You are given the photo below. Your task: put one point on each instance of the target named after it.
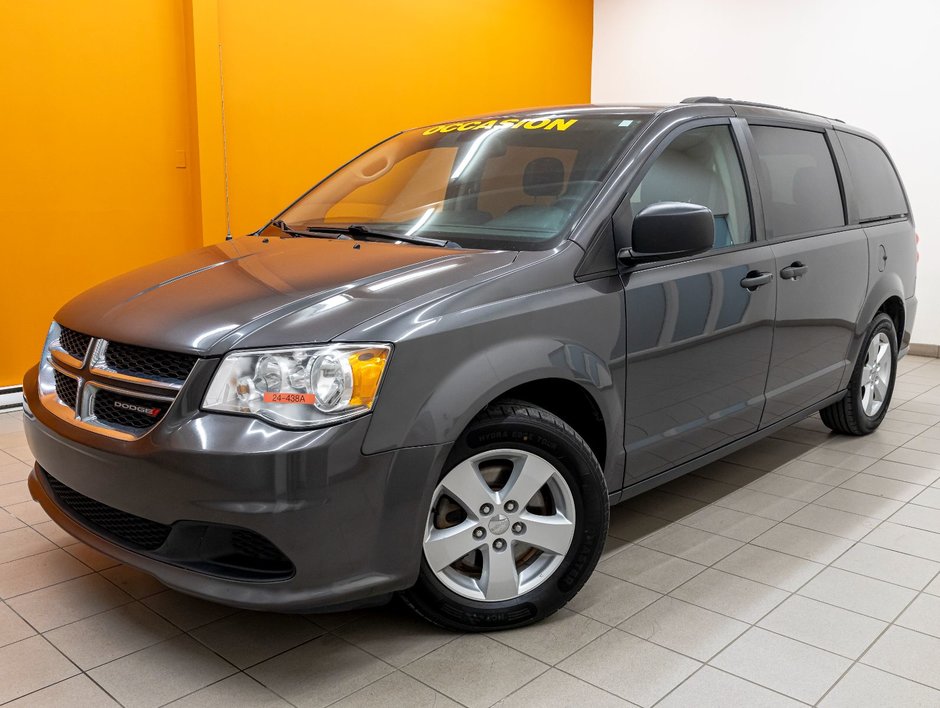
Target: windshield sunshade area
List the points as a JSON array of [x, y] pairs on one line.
[[505, 183]]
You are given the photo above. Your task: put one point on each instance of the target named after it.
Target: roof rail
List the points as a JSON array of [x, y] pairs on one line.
[[753, 104]]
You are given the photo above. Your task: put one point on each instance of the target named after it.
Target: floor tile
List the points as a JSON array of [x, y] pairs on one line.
[[768, 454], [730, 595], [905, 539], [833, 521], [395, 635], [911, 474], [248, 638], [554, 638], [505, 669], [663, 505], [867, 687], [918, 517], [76, 692], [39, 571], [729, 473], [685, 628], [320, 672], [923, 615], [769, 567], [236, 690], [883, 487], [133, 582], [859, 503], [711, 688], [555, 689], [815, 472], [728, 522], [789, 487], [397, 689], [691, 544], [55, 533], [859, 446], [930, 497], [825, 626], [837, 459], [14, 492], [803, 543], [906, 653], [22, 542], [67, 602], [650, 569], [890, 566], [116, 633], [631, 525], [769, 506], [924, 444], [185, 611], [29, 512], [859, 593], [8, 522], [782, 664], [90, 557], [915, 457], [698, 488], [29, 665], [610, 600], [12, 627], [161, 673], [634, 669]]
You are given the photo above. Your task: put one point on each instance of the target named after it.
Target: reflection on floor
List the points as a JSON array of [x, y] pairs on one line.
[[801, 570]]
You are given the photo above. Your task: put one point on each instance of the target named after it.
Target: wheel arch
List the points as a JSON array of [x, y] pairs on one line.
[[886, 295]]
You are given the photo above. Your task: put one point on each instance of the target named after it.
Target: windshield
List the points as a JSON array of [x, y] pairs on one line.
[[508, 183]]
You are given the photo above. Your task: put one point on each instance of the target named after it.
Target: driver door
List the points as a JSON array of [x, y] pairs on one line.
[[698, 340]]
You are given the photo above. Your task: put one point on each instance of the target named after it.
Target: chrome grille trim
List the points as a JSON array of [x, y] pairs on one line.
[[92, 375]]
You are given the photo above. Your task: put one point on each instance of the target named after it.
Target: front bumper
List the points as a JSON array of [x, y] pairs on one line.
[[349, 523]]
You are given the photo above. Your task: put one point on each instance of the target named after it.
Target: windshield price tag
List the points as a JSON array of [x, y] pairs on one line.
[[278, 397]]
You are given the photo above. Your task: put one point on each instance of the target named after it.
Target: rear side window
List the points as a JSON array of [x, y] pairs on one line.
[[798, 181], [876, 184]]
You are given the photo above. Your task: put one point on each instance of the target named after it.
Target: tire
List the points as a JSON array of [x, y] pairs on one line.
[[870, 388], [508, 450]]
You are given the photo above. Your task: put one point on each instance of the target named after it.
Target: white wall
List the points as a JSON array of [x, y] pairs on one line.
[[874, 64]]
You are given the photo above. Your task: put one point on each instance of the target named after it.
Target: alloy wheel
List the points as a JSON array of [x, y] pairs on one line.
[[876, 374]]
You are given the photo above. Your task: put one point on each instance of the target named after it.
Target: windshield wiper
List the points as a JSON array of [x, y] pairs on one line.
[[309, 233], [360, 230]]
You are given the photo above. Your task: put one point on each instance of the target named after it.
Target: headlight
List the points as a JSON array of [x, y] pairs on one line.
[[301, 387]]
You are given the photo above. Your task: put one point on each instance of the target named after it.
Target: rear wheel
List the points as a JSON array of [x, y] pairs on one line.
[[872, 383], [516, 524]]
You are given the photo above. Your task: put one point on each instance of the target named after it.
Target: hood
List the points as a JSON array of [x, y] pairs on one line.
[[304, 290]]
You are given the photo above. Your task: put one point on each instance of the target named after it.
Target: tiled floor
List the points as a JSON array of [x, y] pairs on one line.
[[804, 569]]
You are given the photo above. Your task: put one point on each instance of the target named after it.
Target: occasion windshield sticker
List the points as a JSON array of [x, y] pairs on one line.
[[278, 397], [548, 123]]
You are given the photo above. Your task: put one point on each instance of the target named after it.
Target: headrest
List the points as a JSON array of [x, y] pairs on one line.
[[676, 177], [544, 177]]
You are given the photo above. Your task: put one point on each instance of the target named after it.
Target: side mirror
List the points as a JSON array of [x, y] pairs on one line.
[[669, 230]]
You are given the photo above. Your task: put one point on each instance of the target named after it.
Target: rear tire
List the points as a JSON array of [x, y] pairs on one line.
[[871, 385], [516, 524]]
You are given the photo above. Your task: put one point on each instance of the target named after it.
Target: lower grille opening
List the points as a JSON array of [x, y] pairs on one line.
[[215, 549], [128, 411]]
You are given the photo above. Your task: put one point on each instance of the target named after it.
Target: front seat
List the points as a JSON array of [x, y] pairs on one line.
[[543, 177]]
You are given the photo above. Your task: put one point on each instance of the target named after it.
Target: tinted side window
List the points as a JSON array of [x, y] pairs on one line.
[[701, 166], [798, 181], [876, 184]]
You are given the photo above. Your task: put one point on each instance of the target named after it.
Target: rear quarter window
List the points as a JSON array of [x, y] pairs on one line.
[[798, 181], [876, 184]]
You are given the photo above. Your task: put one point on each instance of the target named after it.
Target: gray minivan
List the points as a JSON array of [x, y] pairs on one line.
[[435, 371]]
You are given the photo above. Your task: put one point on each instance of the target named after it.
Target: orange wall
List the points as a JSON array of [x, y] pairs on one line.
[[103, 100], [308, 85], [95, 112]]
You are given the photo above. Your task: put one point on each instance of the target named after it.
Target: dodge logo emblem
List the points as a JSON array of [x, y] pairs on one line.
[[146, 410]]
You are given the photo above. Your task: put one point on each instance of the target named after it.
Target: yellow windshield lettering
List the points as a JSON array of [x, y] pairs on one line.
[[549, 123]]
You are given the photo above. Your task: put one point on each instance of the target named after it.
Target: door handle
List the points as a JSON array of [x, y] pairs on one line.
[[755, 279], [794, 271]]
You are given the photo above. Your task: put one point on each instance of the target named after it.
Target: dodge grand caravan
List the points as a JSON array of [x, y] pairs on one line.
[[434, 372]]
